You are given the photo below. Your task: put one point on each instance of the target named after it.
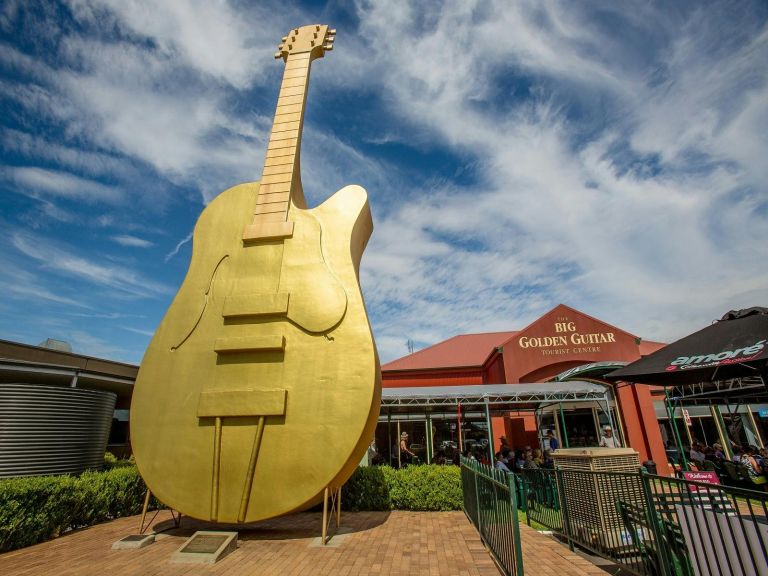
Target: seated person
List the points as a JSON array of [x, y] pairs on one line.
[[762, 459], [500, 463], [696, 452], [547, 462], [748, 460], [718, 448], [530, 463]]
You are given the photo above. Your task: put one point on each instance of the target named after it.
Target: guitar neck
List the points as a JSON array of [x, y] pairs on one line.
[[281, 178]]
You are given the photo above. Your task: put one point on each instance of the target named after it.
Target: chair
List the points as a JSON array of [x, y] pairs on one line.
[[674, 540], [637, 527], [749, 480], [734, 477]]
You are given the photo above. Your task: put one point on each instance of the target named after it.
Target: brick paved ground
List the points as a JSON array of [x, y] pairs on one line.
[[394, 543]]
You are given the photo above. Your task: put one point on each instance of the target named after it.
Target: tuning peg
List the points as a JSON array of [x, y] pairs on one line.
[[330, 38], [278, 55], [328, 47], [284, 38], [332, 32]]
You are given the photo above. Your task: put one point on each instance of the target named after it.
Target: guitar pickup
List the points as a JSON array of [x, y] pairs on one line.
[[274, 343], [241, 403], [256, 305]]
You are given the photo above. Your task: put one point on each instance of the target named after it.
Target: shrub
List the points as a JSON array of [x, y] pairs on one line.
[[432, 488], [37, 508], [368, 489]]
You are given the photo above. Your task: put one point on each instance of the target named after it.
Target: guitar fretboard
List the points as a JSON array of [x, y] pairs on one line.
[[280, 179]]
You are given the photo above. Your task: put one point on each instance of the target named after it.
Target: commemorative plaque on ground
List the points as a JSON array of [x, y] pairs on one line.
[[206, 547]]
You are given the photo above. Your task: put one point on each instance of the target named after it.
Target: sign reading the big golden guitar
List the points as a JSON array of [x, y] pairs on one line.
[[261, 386], [567, 339]]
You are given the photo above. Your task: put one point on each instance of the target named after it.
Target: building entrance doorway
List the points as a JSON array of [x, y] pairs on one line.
[[581, 427]]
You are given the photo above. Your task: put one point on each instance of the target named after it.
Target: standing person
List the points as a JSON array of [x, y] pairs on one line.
[[608, 440], [503, 444], [406, 456], [554, 444]]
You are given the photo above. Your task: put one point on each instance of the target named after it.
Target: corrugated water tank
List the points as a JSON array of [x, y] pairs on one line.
[[52, 429]]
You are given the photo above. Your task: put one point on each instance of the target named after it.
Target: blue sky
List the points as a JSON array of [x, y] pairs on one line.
[[607, 155]]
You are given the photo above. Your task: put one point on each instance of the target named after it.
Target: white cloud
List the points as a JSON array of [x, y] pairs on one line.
[[90, 345], [148, 333], [212, 37], [616, 156], [625, 225], [178, 246], [54, 257], [33, 181], [132, 241]]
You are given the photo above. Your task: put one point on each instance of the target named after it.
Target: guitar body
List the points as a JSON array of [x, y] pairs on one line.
[[276, 330]]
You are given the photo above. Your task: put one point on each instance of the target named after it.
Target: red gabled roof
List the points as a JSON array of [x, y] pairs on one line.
[[465, 350], [649, 346]]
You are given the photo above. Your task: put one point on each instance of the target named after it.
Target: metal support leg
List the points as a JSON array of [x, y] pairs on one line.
[[144, 511], [331, 507], [325, 516]]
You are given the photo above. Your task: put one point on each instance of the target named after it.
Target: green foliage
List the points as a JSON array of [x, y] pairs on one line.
[[35, 509], [430, 488], [368, 489], [38, 508]]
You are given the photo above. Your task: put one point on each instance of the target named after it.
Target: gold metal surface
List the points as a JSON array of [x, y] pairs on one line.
[[251, 468], [261, 386], [241, 403]]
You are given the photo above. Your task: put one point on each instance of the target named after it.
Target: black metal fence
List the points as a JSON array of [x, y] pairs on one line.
[[653, 525], [490, 503]]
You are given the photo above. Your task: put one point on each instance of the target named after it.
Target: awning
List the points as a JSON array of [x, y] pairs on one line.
[[734, 347], [497, 396], [593, 370]]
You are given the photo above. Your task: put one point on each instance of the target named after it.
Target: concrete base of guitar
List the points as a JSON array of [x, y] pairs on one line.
[[206, 547]]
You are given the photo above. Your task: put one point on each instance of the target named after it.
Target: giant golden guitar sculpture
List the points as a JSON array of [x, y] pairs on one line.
[[261, 386]]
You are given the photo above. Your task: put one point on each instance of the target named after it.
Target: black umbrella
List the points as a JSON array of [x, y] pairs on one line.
[[734, 347]]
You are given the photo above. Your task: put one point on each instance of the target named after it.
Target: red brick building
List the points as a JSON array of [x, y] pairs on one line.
[[560, 340]]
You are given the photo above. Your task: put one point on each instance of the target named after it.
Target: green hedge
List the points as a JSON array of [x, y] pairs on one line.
[[37, 508], [430, 488]]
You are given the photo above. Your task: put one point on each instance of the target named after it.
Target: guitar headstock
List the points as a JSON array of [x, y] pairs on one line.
[[315, 39]]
